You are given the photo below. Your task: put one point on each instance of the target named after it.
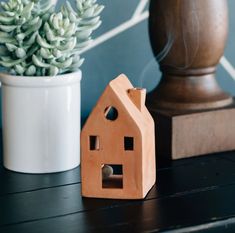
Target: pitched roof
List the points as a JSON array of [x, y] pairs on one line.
[[119, 88], [121, 85]]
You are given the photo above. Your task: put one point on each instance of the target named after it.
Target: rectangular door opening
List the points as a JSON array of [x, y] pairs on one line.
[[112, 176]]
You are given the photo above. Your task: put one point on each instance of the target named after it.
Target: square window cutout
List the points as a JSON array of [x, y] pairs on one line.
[[112, 176], [128, 143], [94, 142]]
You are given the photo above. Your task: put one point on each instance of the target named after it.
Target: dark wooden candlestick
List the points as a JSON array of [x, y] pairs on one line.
[[188, 38]]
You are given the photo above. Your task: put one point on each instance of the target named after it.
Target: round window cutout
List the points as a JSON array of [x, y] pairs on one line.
[[111, 113]]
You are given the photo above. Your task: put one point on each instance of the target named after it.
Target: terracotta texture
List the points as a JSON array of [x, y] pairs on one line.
[[136, 155]]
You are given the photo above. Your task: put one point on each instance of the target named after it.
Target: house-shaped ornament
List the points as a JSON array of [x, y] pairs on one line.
[[118, 145]]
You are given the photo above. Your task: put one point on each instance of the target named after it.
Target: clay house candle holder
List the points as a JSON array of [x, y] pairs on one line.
[[118, 145]]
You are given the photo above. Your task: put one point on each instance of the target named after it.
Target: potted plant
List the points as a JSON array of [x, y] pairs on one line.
[[39, 50]]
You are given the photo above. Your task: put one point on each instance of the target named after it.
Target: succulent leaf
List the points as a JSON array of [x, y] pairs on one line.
[[19, 69], [98, 10], [20, 53], [36, 40], [6, 19], [84, 34], [7, 28], [26, 13], [10, 63], [31, 70], [39, 63], [31, 40], [11, 47], [43, 43], [63, 65], [45, 53], [53, 71]]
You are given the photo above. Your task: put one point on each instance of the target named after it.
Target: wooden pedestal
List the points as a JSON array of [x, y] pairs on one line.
[[193, 115], [193, 133]]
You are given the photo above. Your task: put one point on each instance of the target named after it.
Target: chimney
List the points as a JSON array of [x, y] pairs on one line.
[[138, 96]]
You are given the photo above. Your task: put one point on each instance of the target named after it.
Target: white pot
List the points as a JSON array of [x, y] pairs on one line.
[[41, 122]]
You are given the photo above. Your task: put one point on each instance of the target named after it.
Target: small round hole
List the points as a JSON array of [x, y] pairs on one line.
[[111, 113]]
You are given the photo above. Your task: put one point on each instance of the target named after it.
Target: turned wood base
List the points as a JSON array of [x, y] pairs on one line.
[[188, 92], [186, 134]]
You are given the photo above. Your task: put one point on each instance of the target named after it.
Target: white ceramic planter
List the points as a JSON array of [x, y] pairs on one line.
[[41, 123]]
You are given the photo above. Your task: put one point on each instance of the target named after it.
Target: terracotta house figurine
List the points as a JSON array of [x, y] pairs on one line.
[[118, 145]]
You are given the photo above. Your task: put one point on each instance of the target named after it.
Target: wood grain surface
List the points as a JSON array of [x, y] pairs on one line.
[[189, 193]]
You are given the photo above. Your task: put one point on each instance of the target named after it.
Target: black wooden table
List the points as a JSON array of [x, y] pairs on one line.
[[191, 195]]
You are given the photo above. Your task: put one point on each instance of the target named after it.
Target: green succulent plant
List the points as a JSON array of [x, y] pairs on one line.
[[35, 40]]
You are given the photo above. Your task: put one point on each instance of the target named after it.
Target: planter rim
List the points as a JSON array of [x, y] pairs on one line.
[[40, 81]]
